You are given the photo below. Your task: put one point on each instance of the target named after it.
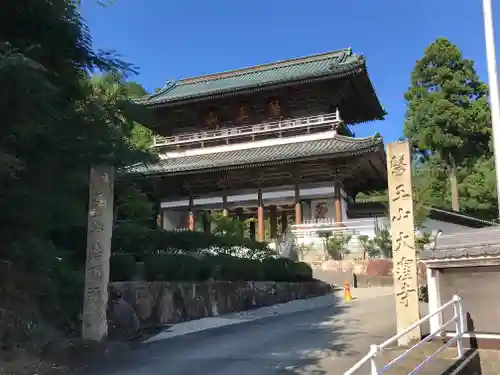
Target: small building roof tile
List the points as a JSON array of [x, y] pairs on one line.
[[467, 244]]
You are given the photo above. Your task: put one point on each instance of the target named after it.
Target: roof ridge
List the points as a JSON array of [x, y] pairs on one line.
[[465, 216], [265, 66], [355, 139]]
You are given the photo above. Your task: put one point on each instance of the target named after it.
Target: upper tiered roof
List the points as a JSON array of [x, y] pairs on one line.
[[282, 73]]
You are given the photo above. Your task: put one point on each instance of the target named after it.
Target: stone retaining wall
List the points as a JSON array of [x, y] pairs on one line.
[[160, 303]]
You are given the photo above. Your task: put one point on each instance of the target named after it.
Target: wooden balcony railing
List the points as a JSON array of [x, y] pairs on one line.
[[332, 119], [314, 227]]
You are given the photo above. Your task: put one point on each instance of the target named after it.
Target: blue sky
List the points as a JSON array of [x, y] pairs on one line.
[[173, 39]]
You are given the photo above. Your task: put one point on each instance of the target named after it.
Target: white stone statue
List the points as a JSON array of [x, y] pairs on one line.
[[286, 246]]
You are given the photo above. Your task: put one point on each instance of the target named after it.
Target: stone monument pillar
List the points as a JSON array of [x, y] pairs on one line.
[[403, 239], [100, 227]]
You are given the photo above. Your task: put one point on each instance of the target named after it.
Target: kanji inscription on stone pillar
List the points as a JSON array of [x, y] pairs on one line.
[[403, 239], [100, 227]]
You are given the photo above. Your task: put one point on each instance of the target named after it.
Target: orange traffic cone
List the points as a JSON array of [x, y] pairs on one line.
[[347, 292]]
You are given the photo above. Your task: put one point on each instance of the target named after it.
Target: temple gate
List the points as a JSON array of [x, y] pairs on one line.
[[271, 142]]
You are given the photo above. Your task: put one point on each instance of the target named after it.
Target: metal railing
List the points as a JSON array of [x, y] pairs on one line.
[[314, 227], [262, 128], [375, 350]]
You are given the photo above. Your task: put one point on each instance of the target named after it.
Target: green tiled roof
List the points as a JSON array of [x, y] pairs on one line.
[[336, 63], [260, 156]]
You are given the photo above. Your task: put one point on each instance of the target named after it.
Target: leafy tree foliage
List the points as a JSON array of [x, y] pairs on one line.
[[478, 186], [335, 244], [57, 120], [132, 204], [229, 226], [447, 111], [448, 126], [368, 246], [383, 243]]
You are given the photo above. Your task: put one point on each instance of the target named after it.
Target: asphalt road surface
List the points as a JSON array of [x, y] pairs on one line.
[[324, 340]]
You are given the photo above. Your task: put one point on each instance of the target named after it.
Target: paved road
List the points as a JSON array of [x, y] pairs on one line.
[[325, 339]]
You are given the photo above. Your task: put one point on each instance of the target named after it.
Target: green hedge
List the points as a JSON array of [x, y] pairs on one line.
[[143, 241], [176, 267], [122, 267]]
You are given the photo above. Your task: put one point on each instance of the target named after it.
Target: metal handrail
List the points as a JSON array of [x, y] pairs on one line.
[[330, 225], [332, 228], [375, 350], [267, 127], [325, 221]]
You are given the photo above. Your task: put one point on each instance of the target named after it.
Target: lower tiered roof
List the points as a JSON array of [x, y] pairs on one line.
[[286, 153]]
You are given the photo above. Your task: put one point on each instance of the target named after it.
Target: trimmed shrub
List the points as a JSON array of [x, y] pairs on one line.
[[276, 269], [302, 271], [143, 241], [134, 239], [284, 269], [122, 267], [176, 267], [230, 268], [181, 267]]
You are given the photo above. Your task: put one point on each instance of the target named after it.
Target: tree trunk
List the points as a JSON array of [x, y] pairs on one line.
[[455, 203]]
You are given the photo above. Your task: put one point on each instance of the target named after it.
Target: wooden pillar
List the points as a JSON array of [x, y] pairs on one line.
[[337, 202], [284, 222], [403, 239], [225, 211], [260, 217], [99, 232], [240, 218], [274, 222], [206, 222], [159, 219], [298, 206], [191, 218], [251, 229], [309, 210]]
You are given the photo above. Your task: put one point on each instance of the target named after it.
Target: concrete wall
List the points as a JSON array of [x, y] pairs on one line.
[[160, 303], [374, 272], [478, 288]]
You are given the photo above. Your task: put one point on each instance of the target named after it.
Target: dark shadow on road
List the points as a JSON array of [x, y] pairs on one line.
[[312, 342], [470, 364]]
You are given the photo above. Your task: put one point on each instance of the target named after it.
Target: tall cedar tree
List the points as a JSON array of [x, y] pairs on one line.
[[447, 110]]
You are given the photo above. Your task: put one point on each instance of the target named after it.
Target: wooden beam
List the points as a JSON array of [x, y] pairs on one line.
[[273, 221], [260, 216], [252, 230], [191, 217], [284, 222], [225, 211], [338, 204], [298, 206]]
